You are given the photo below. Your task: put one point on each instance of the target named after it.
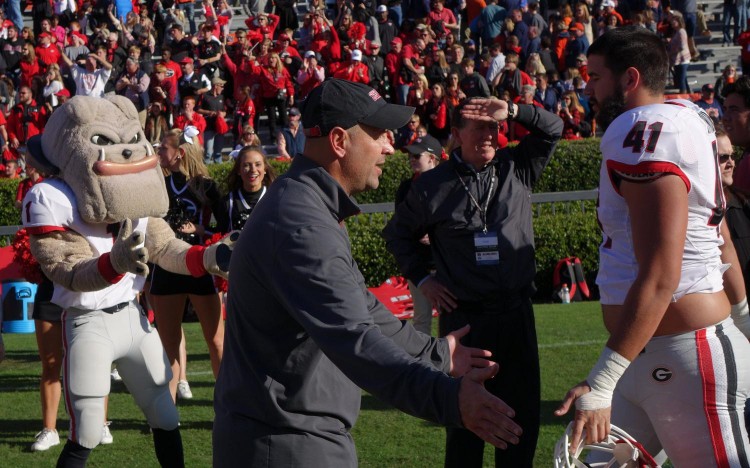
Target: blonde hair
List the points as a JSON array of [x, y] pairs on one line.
[[191, 164]]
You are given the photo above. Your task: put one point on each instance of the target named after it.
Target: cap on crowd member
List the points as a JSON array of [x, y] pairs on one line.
[[310, 54], [42, 35], [187, 60], [425, 144], [357, 55], [218, 81], [342, 103], [294, 112], [396, 40], [707, 88], [576, 27], [608, 3], [284, 37], [382, 9], [63, 93]]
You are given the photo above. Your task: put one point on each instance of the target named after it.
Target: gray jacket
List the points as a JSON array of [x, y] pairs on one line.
[[438, 205], [303, 333]]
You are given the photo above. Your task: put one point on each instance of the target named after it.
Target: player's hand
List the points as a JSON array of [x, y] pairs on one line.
[[128, 255], [464, 358], [596, 423], [438, 295], [484, 414], [485, 109]]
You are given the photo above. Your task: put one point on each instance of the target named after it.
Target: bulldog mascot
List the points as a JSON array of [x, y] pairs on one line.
[[93, 226]]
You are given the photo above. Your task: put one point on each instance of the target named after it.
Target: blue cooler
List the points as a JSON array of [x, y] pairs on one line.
[[18, 304]]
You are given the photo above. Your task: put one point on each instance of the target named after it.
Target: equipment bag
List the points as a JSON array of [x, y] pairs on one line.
[[569, 271]]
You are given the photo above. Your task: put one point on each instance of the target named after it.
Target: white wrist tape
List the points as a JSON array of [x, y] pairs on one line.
[[602, 379], [740, 309], [741, 317]]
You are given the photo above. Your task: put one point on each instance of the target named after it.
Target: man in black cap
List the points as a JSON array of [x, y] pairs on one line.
[[476, 208], [303, 332], [709, 103]]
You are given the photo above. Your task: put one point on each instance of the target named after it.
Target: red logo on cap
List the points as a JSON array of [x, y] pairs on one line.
[[313, 132], [374, 95]]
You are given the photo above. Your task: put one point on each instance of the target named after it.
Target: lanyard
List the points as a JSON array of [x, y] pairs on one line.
[[482, 210]]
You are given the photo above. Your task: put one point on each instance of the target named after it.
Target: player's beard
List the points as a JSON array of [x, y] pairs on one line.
[[610, 108]]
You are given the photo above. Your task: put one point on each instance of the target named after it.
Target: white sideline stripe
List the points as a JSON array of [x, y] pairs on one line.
[[566, 344]]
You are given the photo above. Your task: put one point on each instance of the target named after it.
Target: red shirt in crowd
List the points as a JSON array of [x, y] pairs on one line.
[[181, 121]]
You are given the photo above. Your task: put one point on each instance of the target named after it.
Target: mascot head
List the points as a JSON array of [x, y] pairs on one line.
[[97, 146]]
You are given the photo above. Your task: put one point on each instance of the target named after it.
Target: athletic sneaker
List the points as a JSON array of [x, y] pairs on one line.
[[45, 439], [115, 375], [183, 390], [106, 435]]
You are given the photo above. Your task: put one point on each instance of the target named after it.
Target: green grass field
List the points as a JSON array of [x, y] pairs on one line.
[[570, 338]]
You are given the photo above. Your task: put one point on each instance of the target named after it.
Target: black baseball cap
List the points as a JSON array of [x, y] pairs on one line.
[[426, 143], [342, 103]]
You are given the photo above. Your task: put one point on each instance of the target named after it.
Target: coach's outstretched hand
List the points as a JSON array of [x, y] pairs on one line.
[[486, 109], [484, 414], [464, 358]]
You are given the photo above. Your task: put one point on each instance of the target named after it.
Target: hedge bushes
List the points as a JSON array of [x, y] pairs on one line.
[[574, 166]]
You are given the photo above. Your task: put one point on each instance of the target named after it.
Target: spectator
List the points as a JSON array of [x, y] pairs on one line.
[[157, 124], [244, 113], [473, 84], [209, 52], [11, 48], [133, 84], [497, 62], [521, 31], [376, 66], [407, 134], [188, 117], [728, 76], [437, 113], [90, 80], [247, 137], [290, 141], [737, 123], [490, 22], [577, 45], [214, 109], [679, 53], [453, 92], [689, 11], [730, 13], [162, 90], [708, 102], [277, 92], [441, 19], [744, 42], [77, 46], [544, 95], [582, 15], [53, 83], [188, 9], [263, 25], [572, 113], [511, 79], [180, 46], [534, 65], [387, 28], [29, 65], [410, 67], [25, 120], [193, 83], [353, 69]]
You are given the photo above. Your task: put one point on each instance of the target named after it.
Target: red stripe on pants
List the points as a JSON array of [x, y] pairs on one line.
[[705, 363]]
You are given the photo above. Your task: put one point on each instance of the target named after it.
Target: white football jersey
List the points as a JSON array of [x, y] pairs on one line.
[[676, 137], [51, 206]]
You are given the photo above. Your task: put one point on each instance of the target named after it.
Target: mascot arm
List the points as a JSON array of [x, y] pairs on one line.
[[180, 257], [68, 260]]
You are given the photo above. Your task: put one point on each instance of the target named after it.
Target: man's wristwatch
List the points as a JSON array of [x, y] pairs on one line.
[[511, 110]]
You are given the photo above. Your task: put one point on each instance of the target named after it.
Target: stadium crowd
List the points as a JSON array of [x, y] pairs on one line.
[[183, 64]]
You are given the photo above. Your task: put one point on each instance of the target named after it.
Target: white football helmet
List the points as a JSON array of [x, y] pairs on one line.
[[619, 450]]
